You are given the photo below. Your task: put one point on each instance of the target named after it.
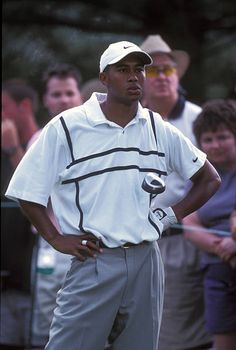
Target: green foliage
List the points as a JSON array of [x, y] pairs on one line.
[[38, 34]]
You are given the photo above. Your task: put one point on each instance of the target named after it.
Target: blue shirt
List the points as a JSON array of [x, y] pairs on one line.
[[215, 213]]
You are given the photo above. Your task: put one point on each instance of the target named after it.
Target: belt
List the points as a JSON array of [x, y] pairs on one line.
[[126, 245], [172, 231]]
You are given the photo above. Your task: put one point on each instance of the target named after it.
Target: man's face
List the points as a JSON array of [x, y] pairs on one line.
[[61, 94], [125, 80], [161, 77], [219, 145]]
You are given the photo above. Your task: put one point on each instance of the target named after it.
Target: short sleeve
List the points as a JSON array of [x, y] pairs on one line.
[[39, 169], [183, 157]]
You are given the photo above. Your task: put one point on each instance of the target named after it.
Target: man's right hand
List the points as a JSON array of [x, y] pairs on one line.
[[67, 243], [72, 244]]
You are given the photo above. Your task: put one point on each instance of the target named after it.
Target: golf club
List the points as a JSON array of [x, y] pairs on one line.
[[153, 184]]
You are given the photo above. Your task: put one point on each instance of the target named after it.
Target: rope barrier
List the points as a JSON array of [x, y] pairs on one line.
[[202, 229], [177, 226]]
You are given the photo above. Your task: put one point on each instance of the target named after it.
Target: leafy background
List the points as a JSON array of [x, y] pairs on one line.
[[36, 34]]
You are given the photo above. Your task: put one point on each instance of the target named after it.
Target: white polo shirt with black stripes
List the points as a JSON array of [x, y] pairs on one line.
[[93, 170]]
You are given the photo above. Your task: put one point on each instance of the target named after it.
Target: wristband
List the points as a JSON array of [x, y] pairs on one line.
[[166, 216]]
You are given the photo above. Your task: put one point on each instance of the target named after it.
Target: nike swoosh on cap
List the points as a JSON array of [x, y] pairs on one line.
[[194, 160], [126, 47]]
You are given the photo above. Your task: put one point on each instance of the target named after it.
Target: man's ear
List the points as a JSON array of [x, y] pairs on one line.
[[103, 78]]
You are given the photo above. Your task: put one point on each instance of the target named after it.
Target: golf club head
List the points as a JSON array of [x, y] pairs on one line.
[[153, 184]]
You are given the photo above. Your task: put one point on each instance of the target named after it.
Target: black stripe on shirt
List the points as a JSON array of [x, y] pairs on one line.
[[68, 138], [79, 207], [153, 125], [154, 225], [117, 168], [114, 150]]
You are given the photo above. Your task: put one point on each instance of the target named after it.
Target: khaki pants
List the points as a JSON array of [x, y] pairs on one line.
[[119, 293]]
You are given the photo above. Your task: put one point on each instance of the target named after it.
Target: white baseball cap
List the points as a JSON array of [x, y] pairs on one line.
[[117, 51]]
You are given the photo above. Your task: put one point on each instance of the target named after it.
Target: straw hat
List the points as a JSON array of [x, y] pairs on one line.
[[155, 44]]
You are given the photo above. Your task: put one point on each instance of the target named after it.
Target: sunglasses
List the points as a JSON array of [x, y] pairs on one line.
[[155, 71]]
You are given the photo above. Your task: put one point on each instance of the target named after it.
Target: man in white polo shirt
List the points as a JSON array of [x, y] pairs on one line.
[[91, 161]]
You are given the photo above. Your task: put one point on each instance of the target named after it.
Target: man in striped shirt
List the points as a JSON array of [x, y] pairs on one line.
[[91, 160]]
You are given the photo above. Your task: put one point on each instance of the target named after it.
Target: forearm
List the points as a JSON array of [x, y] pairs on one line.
[[205, 183], [38, 216], [204, 240], [67, 244]]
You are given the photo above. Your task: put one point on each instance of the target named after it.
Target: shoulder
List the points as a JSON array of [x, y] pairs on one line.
[[149, 115], [192, 108], [70, 118], [165, 131], [164, 124], [34, 138], [189, 114]]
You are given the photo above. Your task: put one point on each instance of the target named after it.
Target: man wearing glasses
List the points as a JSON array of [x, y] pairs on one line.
[[183, 325]]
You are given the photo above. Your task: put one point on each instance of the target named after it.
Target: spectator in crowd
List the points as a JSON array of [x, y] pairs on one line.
[[215, 130], [91, 86], [19, 105], [61, 88], [61, 85], [183, 325]]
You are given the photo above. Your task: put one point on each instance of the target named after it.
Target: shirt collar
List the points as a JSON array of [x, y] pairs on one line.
[[178, 108], [95, 115]]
